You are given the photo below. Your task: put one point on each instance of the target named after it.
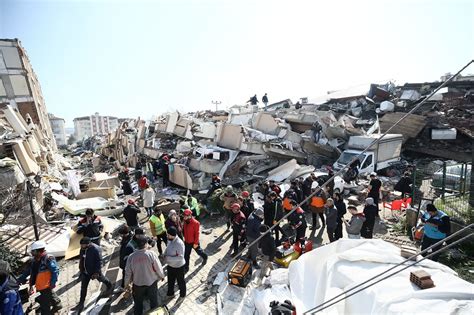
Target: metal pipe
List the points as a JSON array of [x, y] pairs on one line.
[[33, 215]]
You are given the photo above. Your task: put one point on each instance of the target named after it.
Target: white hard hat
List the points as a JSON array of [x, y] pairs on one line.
[[38, 245]]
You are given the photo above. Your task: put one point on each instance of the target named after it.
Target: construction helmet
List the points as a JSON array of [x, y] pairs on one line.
[[245, 194], [235, 206], [38, 245], [229, 189]]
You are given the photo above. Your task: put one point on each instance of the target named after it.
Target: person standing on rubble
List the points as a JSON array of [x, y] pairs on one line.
[[267, 243], [191, 238], [265, 101], [274, 187], [370, 213], [353, 171], [238, 228], [148, 199], [229, 198], [158, 228], [298, 192], [165, 170], [130, 213], [90, 266], [297, 220], [253, 100], [247, 203], [254, 222], [174, 221], [374, 189], [331, 219], [215, 184], [143, 271], [341, 211], [43, 272], [149, 171], [194, 206], [316, 205], [91, 226], [404, 185]]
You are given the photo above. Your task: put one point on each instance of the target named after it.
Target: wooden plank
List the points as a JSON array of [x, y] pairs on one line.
[[410, 127]]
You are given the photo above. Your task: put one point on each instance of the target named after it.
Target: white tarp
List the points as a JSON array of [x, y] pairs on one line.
[[343, 264]]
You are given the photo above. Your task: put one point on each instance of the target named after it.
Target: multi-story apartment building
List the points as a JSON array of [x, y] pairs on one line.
[[59, 129], [94, 125], [20, 88]]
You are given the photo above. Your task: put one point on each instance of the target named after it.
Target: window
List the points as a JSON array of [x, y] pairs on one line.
[[368, 162]]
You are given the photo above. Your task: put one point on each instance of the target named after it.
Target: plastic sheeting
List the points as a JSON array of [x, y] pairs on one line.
[[343, 264]]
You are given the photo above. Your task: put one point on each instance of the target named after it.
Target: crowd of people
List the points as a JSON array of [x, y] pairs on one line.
[[177, 234]]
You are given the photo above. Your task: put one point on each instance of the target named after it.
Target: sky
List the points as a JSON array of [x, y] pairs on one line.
[[142, 58]]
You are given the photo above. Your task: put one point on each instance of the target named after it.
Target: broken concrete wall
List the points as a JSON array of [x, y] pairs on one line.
[[266, 123], [183, 128], [229, 136]]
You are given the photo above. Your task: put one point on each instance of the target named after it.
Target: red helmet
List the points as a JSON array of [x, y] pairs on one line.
[[235, 206], [245, 194], [131, 201], [187, 212]]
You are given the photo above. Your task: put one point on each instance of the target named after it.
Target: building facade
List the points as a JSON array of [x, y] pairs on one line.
[[20, 88], [58, 125], [88, 126]]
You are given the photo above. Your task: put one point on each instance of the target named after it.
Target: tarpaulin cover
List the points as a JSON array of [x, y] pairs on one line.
[[329, 270]]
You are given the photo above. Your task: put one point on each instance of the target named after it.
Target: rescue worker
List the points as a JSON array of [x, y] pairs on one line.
[[191, 238], [148, 199], [274, 187], [174, 258], [298, 192], [267, 243], [158, 228], [316, 205], [194, 206], [287, 197], [297, 221], [165, 170], [130, 213], [353, 171], [215, 184], [44, 272], [247, 203], [254, 222], [174, 221], [10, 300], [437, 227], [370, 213], [229, 198], [91, 226], [143, 271], [90, 266], [238, 228]]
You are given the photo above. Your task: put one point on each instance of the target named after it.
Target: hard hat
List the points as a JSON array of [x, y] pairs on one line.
[[229, 188], [38, 245], [131, 201], [235, 206], [187, 212], [245, 194]]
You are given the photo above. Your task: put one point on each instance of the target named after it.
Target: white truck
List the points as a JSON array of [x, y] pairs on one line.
[[378, 157]]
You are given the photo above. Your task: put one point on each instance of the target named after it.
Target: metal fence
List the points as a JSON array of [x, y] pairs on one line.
[[449, 186]]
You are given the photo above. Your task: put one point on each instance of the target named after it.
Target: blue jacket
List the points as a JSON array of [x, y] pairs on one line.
[[91, 259], [253, 226], [441, 226], [10, 301]]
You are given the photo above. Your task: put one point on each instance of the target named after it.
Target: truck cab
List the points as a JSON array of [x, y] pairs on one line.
[[367, 161]]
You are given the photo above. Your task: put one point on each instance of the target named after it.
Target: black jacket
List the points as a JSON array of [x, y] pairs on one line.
[[130, 213], [91, 259], [125, 250], [267, 243], [341, 209]]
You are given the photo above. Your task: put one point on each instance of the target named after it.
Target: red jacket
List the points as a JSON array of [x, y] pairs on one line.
[[142, 182], [191, 231]]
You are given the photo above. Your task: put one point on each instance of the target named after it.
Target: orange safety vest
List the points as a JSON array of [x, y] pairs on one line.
[[43, 278], [317, 202], [286, 204]]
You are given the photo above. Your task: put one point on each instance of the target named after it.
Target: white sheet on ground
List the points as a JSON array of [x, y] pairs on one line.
[[263, 298], [329, 270]]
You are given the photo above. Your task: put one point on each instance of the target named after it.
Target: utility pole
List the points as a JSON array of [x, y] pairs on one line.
[[216, 103], [29, 187]]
